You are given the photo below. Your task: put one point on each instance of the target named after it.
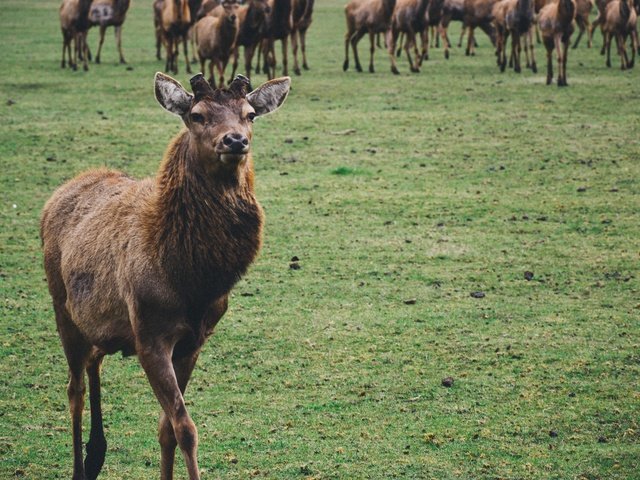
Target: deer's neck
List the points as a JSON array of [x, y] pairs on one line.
[[207, 229]]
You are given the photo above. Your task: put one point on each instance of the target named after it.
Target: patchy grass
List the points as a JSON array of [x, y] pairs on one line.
[[401, 196]]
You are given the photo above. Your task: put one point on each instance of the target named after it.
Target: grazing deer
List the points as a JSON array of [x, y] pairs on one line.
[[301, 18], [556, 26], [216, 37], [145, 267], [365, 16], [74, 25], [621, 22], [106, 13]]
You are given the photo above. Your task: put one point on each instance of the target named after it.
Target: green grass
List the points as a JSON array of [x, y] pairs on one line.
[[401, 195]]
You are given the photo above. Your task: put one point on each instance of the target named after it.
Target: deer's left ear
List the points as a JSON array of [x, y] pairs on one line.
[[269, 96], [171, 95]]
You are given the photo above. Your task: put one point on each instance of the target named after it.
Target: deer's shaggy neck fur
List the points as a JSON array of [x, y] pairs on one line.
[[205, 226]]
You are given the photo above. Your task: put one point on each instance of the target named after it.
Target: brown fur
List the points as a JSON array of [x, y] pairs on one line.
[[145, 267], [74, 26], [408, 18], [514, 18], [252, 21], [301, 18], [478, 14], [555, 21], [620, 21], [365, 16], [106, 13], [172, 20], [451, 10], [278, 27], [583, 11], [216, 38]]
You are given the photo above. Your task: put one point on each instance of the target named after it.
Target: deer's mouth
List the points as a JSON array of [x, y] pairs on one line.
[[232, 158]]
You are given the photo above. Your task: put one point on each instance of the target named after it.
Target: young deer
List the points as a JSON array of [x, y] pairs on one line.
[[145, 267]]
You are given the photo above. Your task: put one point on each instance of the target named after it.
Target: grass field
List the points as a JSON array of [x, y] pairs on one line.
[[402, 196]]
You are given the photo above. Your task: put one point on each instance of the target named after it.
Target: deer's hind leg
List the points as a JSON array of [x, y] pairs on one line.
[[97, 445], [77, 350]]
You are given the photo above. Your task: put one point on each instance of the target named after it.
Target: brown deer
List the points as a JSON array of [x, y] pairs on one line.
[[74, 24], [433, 20], [106, 13], [478, 13], [601, 6], [620, 22], [252, 19], [556, 27], [194, 7], [583, 11], [408, 18], [216, 38], [519, 20], [172, 19], [452, 10], [301, 18], [278, 27], [365, 16], [145, 267]]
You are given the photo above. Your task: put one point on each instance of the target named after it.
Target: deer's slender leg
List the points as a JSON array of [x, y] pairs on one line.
[[97, 445], [102, 31], [183, 369], [155, 358]]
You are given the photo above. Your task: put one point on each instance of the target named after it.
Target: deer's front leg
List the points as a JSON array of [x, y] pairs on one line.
[[165, 379]]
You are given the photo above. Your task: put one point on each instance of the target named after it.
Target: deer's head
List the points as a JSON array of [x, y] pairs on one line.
[[220, 121]]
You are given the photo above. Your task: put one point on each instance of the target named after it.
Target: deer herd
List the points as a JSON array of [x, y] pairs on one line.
[[552, 21], [215, 30]]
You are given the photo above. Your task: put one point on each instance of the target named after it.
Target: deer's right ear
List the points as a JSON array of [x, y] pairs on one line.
[[171, 95]]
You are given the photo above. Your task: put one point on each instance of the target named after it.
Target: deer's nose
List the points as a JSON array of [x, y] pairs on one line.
[[236, 143]]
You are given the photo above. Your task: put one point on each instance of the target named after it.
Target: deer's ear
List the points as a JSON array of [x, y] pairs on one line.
[[171, 95], [269, 96]]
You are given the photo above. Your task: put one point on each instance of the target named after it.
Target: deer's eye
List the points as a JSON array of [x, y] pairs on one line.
[[251, 116], [197, 118]]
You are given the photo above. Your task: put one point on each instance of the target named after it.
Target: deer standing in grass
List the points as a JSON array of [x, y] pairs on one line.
[[106, 13], [252, 18], [301, 18], [519, 19], [556, 26], [408, 18], [365, 16], [478, 13], [74, 24], [621, 21], [145, 267], [172, 19], [216, 38]]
